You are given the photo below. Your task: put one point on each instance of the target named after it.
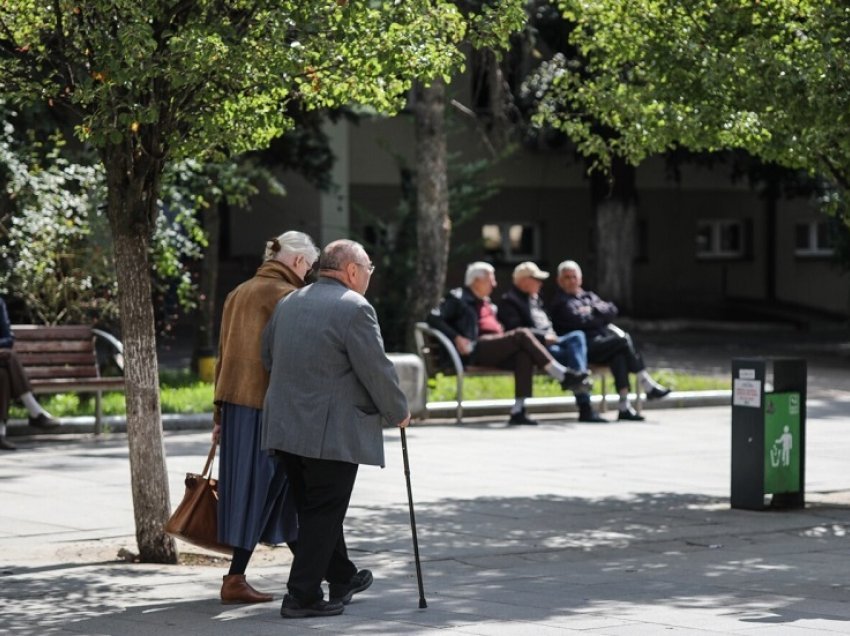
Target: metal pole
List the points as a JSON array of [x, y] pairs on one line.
[[422, 603]]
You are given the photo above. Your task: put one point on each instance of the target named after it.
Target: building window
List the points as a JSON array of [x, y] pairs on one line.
[[511, 242], [720, 238], [813, 239]]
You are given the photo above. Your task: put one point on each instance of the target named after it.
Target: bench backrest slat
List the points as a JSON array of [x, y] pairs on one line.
[[56, 353], [61, 372], [51, 346], [48, 358], [61, 332]]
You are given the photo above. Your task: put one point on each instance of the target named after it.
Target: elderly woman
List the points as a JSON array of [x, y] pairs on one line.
[[254, 500], [14, 384]]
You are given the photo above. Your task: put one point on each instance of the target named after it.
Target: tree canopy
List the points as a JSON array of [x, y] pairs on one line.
[[771, 77], [217, 74]]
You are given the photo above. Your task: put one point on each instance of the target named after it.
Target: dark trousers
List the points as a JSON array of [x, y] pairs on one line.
[[13, 381], [619, 353], [518, 350], [322, 489]]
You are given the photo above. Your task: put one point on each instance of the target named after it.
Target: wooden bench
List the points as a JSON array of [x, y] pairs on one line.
[[64, 359], [430, 341]]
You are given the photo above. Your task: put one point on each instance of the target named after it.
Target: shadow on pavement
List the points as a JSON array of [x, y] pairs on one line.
[[552, 560]]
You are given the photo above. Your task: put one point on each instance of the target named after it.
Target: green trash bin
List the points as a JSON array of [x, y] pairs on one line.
[[768, 433]]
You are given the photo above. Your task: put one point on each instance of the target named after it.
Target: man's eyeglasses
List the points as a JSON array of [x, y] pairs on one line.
[[368, 267]]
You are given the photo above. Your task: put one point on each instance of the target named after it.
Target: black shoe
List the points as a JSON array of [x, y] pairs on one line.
[[342, 592], [657, 392], [587, 414], [292, 608], [520, 419], [6, 444], [631, 415], [42, 420], [575, 380]]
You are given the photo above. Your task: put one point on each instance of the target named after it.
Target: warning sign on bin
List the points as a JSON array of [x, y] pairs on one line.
[[746, 393]]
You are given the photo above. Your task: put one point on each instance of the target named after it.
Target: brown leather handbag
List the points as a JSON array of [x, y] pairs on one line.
[[195, 520]]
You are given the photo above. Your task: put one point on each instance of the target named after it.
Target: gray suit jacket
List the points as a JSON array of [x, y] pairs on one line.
[[331, 384]]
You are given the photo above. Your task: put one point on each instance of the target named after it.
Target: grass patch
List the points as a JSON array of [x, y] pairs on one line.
[[494, 387], [183, 392], [179, 392]]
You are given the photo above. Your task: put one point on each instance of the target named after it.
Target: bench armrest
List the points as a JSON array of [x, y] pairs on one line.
[[422, 329], [115, 343]]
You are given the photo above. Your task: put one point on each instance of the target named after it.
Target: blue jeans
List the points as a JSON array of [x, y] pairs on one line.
[[571, 350]]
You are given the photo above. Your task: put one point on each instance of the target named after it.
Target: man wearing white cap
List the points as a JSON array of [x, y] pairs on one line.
[[521, 306], [468, 318]]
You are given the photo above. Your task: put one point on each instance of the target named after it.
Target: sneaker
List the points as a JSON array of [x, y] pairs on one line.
[[657, 392], [519, 419], [631, 415], [575, 380], [43, 420], [5, 444], [342, 592], [292, 608]]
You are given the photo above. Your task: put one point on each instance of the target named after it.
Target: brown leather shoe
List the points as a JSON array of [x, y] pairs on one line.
[[235, 589]]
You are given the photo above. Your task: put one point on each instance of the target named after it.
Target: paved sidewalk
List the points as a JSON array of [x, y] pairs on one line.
[[557, 529]]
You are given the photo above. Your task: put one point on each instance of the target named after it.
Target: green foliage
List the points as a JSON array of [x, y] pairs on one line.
[[54, 237], [771, 77], [185, 79], [53, 244]]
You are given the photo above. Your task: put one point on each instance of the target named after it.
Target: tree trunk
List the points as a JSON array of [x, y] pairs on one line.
[[208, 283], [133, 181], [433, 225], [615, 207]]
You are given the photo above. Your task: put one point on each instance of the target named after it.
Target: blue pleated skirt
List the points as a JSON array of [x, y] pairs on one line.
[[255, 503]]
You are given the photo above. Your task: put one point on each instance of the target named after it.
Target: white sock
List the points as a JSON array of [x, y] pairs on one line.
[[624, 404], [646, 381], [556, 370], [35, 409], [519, 406], [2, 429]]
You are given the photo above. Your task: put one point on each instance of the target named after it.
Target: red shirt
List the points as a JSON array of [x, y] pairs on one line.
[[487, 321]]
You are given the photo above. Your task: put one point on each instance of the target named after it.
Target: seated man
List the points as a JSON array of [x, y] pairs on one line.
[[521, 306], [574, 308], [468, 317]]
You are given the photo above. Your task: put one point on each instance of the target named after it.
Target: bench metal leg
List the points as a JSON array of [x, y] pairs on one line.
[[603, 403], [459, 398], [638, 401], [98, 413]]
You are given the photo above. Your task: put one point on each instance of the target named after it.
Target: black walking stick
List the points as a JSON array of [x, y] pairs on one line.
[[422, 603]]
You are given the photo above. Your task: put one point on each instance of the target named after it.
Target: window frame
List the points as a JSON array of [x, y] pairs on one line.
[[717, 226], [505, 253], [813, 249]]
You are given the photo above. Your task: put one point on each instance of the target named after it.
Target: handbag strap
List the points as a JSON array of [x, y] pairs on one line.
[[208, 465]]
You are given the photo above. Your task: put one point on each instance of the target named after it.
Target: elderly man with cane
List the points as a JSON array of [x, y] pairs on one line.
[[331, 387]]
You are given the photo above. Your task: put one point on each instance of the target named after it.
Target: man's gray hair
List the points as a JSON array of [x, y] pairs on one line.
[[569, 265], [338, 254], [291, 243], [475, 270]]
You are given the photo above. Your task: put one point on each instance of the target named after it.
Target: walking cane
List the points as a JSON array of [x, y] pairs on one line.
[[422, 603]]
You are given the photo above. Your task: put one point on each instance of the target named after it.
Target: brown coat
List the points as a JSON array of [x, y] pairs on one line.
[[240, 377]]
